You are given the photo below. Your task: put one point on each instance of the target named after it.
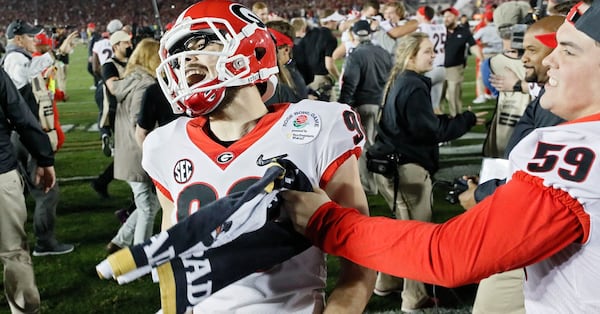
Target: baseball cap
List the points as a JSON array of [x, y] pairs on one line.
[[426, 11], [336, 17], [510, 13], [20, 27], [589, 22], [361, 28], [118, 37], [548, 39], [91, 25], [281, 39], [452, 10], [43, 39], [114, 25]]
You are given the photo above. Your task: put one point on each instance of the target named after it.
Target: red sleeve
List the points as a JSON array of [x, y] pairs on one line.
[[523, 222]]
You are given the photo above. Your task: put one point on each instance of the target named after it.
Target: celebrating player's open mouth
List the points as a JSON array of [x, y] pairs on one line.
[[195, 74]]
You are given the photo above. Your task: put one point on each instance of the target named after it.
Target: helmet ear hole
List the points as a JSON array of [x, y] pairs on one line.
[[259, 52], [262, 87]]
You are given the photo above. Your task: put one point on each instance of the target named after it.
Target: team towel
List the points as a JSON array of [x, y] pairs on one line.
[[223, 242]]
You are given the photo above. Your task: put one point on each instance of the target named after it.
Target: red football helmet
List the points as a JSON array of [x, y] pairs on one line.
[[248, 55]]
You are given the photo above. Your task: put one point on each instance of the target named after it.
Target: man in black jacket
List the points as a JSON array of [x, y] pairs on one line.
[[20, 67], [365, 74], [19, 283]]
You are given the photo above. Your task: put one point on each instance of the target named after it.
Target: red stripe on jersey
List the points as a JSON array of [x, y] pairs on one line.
[[163, 190], [333, 167], [522, 223], [196, 131], [590, 118]]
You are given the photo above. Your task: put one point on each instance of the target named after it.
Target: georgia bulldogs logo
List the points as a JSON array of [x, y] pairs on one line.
[[244, 14], [183, 171], [225, 157]]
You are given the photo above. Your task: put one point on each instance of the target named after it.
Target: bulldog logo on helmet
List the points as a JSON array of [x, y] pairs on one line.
[[246, 15]]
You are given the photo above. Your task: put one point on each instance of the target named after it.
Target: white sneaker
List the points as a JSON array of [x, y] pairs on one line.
[[489, 97], [385, 293], [479, 100], [92, 87]]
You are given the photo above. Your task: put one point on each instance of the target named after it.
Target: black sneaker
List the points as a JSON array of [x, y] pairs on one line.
[[58, 249], [111, 247], [102, 190], [106, 145]]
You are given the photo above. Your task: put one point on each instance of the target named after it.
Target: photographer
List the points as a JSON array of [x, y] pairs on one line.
[[409, 130]]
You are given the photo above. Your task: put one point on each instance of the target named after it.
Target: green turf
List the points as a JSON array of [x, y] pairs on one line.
[[68, 283]]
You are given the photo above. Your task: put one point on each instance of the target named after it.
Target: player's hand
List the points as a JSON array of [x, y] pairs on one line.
[[45, 177], [302, 205], [467, 198], [504, 82]]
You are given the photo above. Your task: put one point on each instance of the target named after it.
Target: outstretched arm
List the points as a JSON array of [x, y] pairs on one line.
[[483, 241]]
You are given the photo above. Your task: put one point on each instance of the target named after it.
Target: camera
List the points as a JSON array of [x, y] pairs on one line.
[[457, 186], [517, 32]]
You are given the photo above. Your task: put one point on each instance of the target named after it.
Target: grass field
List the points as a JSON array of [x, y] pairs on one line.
[[69, 284]]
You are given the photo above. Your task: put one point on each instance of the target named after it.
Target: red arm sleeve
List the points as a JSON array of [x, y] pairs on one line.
[[522, 223]]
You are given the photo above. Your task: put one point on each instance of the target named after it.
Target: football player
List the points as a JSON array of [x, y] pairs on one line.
[[218, 66], [545, 218]]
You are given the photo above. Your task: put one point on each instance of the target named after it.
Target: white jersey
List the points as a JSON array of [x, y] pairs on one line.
[[192, 169], [568, 281], [103, 49], [437, 35]]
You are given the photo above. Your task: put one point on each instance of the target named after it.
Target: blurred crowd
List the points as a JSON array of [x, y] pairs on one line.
[[77, 13]]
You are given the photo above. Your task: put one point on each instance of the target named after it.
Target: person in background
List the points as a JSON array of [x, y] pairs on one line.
[[510, 104], [289, 75], [155, 111], [62, 64], [93, 37], [393, 27], [464, 21], [140, 73], [102, 52], [410, 131], [369, 12], [261, 10], [47, 91], [112, 70], [20, 288], [318, 45], [458, 39], [21, 67], [481, 92], [437, 35], [367, 71]]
